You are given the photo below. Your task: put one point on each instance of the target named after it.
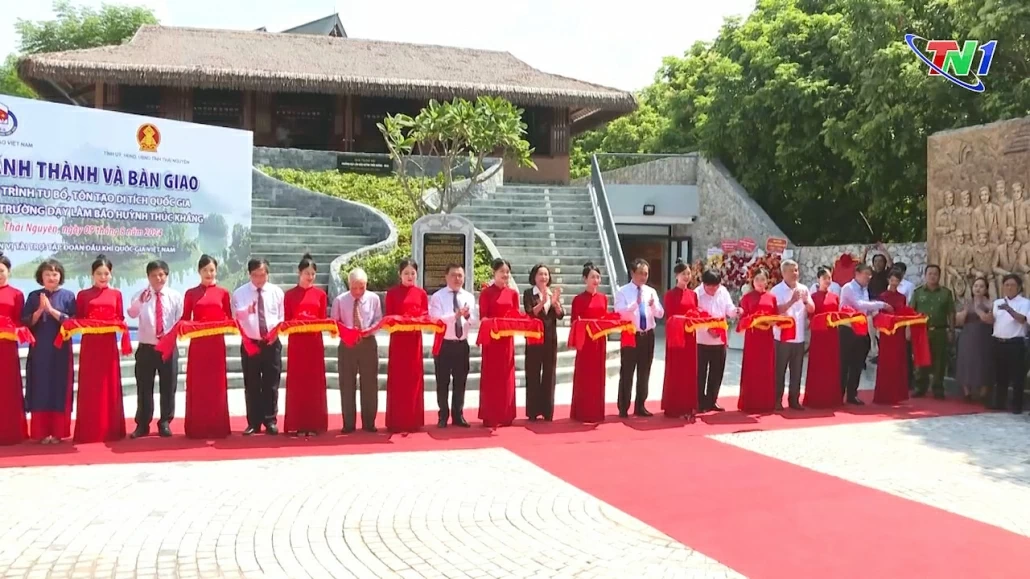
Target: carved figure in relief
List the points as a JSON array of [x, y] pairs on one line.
[[964, 212], [987, 216], [983, 262], [999, 192], [1006, 258], [1017, 213], [944, 223], [959, 264]]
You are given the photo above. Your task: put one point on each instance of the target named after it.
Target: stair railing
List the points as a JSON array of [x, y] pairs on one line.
[[615, 261]]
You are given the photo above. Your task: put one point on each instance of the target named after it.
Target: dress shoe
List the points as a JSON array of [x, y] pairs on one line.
[[442, 423], [271, 429], [855, 402], [372, 429], [919, 394], [642, 412], [164, 430], [460, 421], [548, 418], [938, 395], [796, 406], [779, 405], [140, 432], [251, 430], [717, 408], [623, 414], [347, 430]]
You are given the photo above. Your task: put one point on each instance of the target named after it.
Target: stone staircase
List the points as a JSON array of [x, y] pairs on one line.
[[282, 234], [550, 225], [566, 359]]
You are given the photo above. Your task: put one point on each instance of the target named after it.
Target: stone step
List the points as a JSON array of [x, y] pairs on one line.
[[516, 219], [565, 255], [533, 227], [271, 220], [529, 190], [293, 257], [283, 277], [531, 245], [516, 203], [276, 228], [538, 211], [510, 237], [274, 211], [311, 241]]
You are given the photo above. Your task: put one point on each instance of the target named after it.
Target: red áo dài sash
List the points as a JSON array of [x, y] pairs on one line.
[[889, 324], [85, 326], [14, 333], [693, 321], [521, 325], [303, 326], [844, 317], [184, 330], [788, 329], [584, 331]]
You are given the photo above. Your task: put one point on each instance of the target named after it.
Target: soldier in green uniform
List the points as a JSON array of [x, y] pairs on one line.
[[938, 304]]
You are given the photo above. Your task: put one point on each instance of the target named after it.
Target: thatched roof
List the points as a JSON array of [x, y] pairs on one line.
[[264, 61]]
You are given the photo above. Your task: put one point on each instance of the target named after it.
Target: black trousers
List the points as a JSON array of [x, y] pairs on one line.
[[452, 363], [541, 364], [262, 373], [711, 365], [149, 363], [637, 359], [853, 352], [1010, 368]]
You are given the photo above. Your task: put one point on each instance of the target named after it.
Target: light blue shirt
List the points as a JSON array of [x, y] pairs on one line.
[[368, 307], [856, 296]]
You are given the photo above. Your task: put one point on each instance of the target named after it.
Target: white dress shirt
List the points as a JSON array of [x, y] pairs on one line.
[[441, 307], [627, 305], [906, 288], [833, 289], [171, 311], [719, 305], [246, 296], [856, 296], [1005, 326], [369, 308], [782, 292]]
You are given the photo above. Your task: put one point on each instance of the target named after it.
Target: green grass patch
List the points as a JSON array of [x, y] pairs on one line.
[[386, 195]]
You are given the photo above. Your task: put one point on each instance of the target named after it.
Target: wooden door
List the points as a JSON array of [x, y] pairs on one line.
[[652, 250]]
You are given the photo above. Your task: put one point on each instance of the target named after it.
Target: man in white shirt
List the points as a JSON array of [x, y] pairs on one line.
[[906, 287], [158, 308], [637, 302], [259, 308], [794, 301], [714, 299], [455, 307], [359, 364], [855, 348], [1009, 316]]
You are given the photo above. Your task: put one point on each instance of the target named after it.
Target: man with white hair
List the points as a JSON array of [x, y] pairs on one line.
[[358, 309], [794, 301]]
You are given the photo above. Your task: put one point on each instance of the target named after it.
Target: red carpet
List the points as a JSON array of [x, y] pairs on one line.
[[524, 433], [769, 519]]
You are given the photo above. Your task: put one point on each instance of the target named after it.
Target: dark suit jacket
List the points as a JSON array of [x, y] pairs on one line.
[[549, 317]]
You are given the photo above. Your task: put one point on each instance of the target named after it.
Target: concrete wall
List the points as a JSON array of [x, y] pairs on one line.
[[301, 159], [678, 170], [671, 202]]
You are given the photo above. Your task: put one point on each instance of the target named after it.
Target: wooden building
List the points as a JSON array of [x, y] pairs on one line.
[[312, 87]]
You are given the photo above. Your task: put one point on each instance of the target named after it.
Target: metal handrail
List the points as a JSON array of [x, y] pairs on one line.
[[615, 261]]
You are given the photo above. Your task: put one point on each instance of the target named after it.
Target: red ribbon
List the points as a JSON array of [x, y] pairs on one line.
[[512, 325], [14, 332], [788, 329], [86, 326], [843, 317], [916, 323], [184, 330], [390, 324], [584, 331], [695, 320]]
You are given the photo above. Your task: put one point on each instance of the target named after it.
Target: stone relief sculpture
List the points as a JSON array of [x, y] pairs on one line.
[[983, 263], [1006, 258], [987, 216], [975, 184], [959, 264]]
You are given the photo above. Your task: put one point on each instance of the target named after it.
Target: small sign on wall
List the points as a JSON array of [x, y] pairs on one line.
[[728, 245], [775, 245], [747, 245]]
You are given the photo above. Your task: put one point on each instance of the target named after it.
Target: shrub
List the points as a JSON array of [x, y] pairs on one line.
[[386, 195]]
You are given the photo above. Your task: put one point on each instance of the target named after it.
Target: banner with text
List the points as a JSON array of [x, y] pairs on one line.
[[76, 182]]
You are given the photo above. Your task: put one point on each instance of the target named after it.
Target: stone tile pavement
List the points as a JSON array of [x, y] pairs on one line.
[[457, 514], [977, 466]]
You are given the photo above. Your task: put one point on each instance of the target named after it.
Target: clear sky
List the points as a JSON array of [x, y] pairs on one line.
[[617, 43]]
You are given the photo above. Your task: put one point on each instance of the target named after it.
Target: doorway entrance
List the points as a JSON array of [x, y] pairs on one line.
[[661, 253]]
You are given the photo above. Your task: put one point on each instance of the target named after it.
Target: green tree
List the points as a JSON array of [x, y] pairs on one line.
[[461, 134], [821, 111], [72, 28]]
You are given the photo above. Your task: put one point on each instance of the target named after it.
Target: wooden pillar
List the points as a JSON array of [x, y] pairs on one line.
[[248, 110], [263, 119], [559, 132], [339, 123], [98, 95], [348, 124], [111, 96]]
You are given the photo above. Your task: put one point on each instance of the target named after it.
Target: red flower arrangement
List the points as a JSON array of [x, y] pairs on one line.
[[769, 262], [735, 271]]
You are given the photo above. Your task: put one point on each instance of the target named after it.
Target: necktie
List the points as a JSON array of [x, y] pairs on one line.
[[643, 313], [262, 325], [457, 318], [357, 315], [159, 316]]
